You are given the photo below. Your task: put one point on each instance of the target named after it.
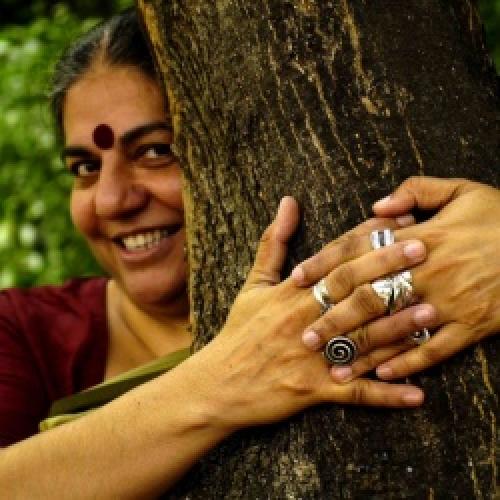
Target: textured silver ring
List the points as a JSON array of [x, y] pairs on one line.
[[384, 289], [382, 238], [341, 351], [402, 291], [320, 293]]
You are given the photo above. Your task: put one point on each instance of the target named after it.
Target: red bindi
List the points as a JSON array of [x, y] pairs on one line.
[[103, 136]]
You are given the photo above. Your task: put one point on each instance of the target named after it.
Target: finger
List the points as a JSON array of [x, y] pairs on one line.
[[426, 193], [374, 393], [384, 338], [349, 314], [351, 245], [365, 364], [272, 249], [446, 342], [343, 280]]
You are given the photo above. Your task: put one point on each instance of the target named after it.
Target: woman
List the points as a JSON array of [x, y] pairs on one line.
[[127, 203]]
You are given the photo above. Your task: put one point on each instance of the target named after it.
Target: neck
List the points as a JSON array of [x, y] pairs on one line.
[[148, 332]]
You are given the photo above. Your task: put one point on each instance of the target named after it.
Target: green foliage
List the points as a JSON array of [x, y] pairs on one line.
[[490, 13], [37, 241], [15, 12]]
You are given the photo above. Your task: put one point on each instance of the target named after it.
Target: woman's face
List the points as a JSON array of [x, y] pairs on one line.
[[126, 199]]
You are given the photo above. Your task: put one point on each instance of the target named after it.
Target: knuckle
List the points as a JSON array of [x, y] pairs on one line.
[[368, 302], [413, 180], [362, 338], [298, 383], [377, 223], [314, 266], [348, 246], [431, 354], [266, 235], [326, 327], [342, 280], [359, 391]]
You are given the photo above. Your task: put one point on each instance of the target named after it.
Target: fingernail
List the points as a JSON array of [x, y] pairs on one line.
[[311, 339], [405, 220], [414, 250], [384, 371], [383, 203], [413, 396], [341, 373], [424, 314], [298, 275]]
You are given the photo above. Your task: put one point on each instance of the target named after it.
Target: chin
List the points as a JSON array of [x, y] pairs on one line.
[[150, 289]]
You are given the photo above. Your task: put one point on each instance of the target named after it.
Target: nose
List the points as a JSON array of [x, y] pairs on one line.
[[117, 192]]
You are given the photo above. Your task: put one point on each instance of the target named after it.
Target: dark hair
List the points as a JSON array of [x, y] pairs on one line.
[[118, 41]]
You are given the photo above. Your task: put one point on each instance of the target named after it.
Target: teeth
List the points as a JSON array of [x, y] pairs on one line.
[[144, 241]]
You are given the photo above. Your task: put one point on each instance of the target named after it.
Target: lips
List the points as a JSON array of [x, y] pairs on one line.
[[146, 239]]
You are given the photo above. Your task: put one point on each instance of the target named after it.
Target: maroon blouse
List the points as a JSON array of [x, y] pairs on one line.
[[53, 343]]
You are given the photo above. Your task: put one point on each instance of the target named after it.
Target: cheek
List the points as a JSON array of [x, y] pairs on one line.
[[172, 190], [81, 209]]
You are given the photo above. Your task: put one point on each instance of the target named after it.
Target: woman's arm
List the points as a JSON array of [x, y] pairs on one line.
[[256, 371]]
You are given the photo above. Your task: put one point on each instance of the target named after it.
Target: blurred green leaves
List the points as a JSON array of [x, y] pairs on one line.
[[490, 14], [37, 241]]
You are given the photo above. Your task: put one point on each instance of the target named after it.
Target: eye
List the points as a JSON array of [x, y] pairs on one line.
[[84, 168], [159, 151]]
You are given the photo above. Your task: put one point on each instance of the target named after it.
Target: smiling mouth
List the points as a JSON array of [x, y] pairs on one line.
[[147, 239]]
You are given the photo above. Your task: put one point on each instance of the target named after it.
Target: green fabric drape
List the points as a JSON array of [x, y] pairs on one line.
[[74, 406]]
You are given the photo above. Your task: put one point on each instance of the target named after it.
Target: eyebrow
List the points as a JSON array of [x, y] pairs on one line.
[[137, 132], [126, 139]]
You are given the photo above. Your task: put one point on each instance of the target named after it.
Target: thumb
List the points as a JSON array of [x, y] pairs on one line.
[[425, 193], [272, 250]]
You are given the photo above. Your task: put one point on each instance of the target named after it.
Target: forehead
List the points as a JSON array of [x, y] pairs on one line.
[[121, 97]]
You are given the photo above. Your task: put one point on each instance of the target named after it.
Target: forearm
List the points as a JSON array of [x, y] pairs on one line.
[[138, 445]]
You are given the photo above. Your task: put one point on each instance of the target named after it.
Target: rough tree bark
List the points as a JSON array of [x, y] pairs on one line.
[[335, 102]]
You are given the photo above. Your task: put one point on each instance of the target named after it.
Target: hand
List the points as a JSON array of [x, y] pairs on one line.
[[257, 370], [461, 276]]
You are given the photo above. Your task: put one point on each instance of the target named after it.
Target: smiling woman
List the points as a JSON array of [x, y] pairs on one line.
[[126, 195], [127, 202]]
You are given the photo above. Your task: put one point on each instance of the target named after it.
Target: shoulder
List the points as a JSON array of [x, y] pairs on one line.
[[74, 293], [48, 305], [61, 331]]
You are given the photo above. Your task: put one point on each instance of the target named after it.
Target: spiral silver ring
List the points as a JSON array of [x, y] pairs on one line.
[[341, 351]]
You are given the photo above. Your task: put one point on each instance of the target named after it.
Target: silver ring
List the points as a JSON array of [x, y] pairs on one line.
[[340, 351], [382, 238], [384, 289], [402, 291], [420, 337], [320, 293], [396, 291]]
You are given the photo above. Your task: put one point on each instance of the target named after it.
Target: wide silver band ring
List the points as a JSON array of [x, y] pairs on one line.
[[381, 238]]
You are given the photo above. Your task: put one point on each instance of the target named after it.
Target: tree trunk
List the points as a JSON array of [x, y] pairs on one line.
[[335, 102]]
